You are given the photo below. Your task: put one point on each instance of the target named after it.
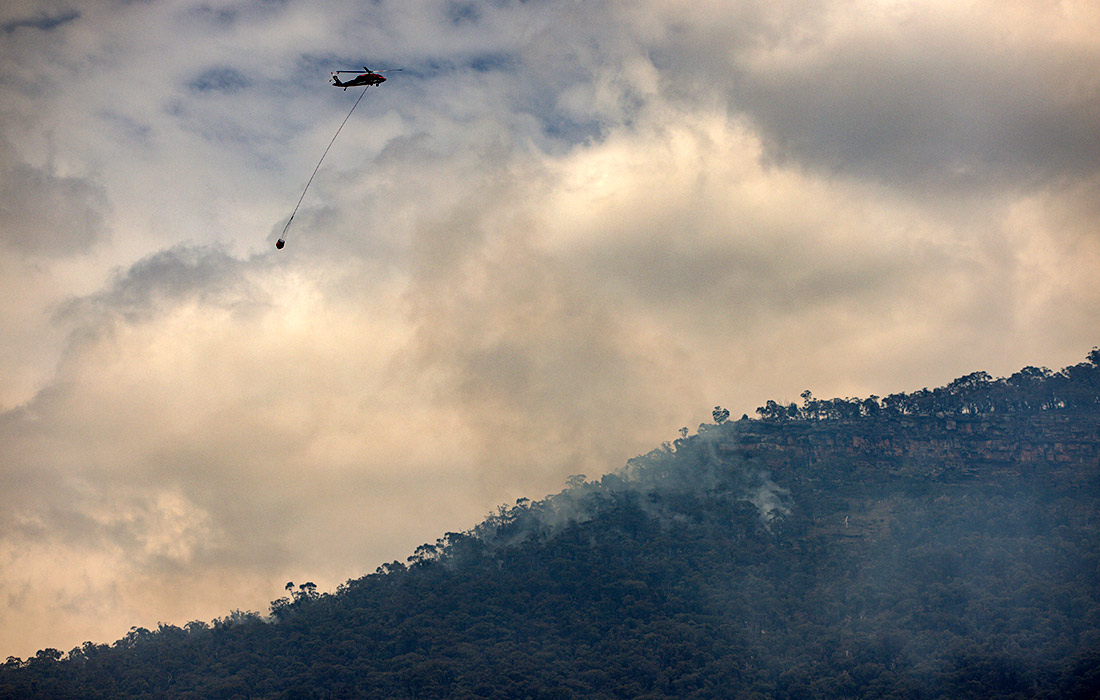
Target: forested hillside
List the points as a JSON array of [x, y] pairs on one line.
[[941, 544]]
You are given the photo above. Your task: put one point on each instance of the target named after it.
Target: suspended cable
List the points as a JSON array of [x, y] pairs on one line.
[[282, 237]]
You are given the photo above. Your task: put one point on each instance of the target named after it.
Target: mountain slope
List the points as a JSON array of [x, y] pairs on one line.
[[944, 551]]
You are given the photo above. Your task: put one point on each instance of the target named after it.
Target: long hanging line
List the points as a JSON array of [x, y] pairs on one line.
[[282, 237]]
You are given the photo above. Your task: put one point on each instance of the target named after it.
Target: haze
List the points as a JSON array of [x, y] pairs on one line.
[[564, 231]]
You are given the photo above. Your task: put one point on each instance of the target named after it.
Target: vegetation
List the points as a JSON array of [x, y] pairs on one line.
[[1029, 390], [822, 554]]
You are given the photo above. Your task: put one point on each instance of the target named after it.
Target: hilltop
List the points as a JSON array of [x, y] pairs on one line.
[[940, 544]]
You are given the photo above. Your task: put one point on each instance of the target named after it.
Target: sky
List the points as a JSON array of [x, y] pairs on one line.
[[563, 231]]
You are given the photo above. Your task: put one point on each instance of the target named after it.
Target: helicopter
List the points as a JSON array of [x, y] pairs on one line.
[[370, 77], [365, 79]]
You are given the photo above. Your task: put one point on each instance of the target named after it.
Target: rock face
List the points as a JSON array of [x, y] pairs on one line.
[[873, 467], [1060, 445]]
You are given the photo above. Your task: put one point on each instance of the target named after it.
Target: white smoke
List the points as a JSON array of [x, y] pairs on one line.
[[696, 466]]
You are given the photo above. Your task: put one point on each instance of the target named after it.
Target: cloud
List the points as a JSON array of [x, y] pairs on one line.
[[222, 79], [167, 279], [929, 95], [42, 20], [189, 435], [562, 232], [45, 213]]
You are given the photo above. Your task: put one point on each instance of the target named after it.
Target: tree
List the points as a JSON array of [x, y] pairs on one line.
[[306, 591], [870, 406], [575, 481], [424, 554], [720, 414], [771, 411], [811, 407], [49, 655]]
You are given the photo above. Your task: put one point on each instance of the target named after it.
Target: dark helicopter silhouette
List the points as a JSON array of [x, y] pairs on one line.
[[370, 77]]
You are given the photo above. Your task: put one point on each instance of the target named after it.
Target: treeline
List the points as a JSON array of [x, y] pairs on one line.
[[665, 583], [1029, 390], [690, 573]]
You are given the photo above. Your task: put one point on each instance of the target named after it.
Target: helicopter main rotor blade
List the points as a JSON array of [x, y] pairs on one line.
[[384, 70]]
